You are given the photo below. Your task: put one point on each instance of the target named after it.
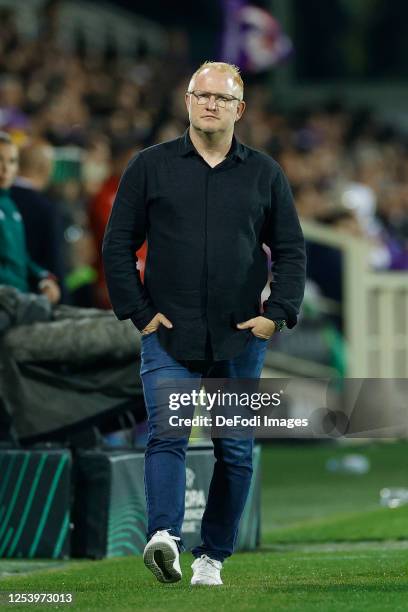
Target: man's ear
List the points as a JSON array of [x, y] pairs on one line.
[[240, 110]]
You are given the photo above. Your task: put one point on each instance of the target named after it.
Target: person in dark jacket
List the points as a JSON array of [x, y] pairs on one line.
[[42, 217], [17, 269], [206, 204]]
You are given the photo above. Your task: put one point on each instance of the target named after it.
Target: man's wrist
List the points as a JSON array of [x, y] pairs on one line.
[[280, 324], [140, 321]]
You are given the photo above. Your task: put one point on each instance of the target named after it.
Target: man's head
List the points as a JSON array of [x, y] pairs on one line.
[[8, 161], [214, 98], [37, 162]]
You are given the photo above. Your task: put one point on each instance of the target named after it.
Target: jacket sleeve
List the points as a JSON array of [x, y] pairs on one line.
[[124, 234], [284, 237]]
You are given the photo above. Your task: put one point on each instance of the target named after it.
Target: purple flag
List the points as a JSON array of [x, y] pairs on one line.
[[252, 38]]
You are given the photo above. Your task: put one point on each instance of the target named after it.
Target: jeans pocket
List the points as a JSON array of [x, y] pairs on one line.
[[261, 339], [145, 336]]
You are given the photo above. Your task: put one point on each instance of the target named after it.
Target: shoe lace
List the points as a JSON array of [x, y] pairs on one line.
[[201, 563], [166, 532]]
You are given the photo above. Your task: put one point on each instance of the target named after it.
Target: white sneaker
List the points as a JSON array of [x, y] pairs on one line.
[[206, 571], [161, 556]]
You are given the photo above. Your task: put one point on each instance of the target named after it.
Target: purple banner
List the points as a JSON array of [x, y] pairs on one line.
[[252, 38]]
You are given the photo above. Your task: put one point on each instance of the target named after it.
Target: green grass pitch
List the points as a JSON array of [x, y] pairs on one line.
[[327, 546]]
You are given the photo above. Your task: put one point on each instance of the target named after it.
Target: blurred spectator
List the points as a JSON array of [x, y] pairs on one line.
[[324, 263], [42, 218], [84, 102], [9, 37], [99, 211], [17, 269], [11, 102]]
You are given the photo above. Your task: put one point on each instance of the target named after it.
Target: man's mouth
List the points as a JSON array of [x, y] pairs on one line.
[[209, 117]]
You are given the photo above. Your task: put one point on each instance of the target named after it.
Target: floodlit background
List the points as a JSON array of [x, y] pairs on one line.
[[326, 94]]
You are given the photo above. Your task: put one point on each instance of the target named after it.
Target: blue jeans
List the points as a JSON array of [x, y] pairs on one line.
[[165, 473]]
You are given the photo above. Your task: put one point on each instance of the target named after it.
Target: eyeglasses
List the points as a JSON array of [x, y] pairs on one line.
[[221, 100]]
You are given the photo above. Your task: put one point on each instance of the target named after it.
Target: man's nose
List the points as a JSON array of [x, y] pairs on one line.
[[211, 102]]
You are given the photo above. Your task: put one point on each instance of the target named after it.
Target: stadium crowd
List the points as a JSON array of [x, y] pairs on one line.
[[347, 168]]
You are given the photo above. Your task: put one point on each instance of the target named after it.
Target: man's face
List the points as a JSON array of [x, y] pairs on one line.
[[8, 164], [210, 117]]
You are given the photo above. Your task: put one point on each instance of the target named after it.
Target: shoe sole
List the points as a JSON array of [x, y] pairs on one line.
[[206, 583], [159, 559]]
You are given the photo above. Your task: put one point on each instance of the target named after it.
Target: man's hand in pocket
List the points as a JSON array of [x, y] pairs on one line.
[[158, 319], [261, 327]]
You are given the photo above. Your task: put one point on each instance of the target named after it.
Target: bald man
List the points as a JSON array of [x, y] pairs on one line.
[[42, 217], [206, 204]]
